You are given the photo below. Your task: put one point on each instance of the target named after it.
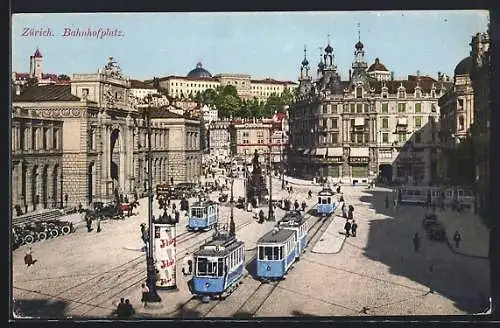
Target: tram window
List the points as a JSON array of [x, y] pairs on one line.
[[261, 253], [281, 252], [220, 267], [197, 212], [206, 268], [329, 200], [276, 253], [268, 253]]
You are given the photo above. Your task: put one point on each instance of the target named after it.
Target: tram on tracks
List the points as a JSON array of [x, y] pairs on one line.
[[218, 266], [276, 253], [326, 202], [296, 222], [203, 216]]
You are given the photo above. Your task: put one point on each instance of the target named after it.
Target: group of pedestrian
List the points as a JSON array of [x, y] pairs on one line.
[[457, 238], [89, 224], [124, 309]]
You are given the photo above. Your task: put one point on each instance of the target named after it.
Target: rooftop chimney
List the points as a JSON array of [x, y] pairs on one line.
[[350, 75], [392, 75]]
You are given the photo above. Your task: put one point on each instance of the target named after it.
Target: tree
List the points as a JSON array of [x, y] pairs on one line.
[[286, 97], [63, 77]]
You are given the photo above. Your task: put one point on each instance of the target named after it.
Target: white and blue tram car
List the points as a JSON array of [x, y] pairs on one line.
[[326, 204], [203, 216], [276, 252], [218, 267], [295, 221]]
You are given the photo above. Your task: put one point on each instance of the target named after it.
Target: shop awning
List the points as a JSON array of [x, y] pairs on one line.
[[306, 151], [335, 152], [359, 152], [321, 152]]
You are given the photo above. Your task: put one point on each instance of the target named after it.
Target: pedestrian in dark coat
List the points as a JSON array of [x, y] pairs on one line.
[[338, 190], [304, 205], [296, 205], [457, 238], [98, 224], [145, 295], [128, 309], [89, 224], [354, 228], [120, 309], [28, 258], [416, 242], [347, 227]]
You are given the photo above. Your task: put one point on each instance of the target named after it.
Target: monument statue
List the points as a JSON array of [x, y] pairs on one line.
[[256, 182]]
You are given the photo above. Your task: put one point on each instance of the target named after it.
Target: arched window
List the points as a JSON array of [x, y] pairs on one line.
[[359, 92]]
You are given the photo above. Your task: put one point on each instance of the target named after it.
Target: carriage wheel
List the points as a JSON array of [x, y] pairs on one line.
[[65, 230], [28, 239], [42, 235], [54, 233], [20, 241]]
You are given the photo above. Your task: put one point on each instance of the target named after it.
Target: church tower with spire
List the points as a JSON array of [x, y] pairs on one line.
[[36, 65], [329, 80]]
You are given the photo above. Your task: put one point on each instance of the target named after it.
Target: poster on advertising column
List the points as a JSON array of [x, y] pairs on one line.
[[164, 255]]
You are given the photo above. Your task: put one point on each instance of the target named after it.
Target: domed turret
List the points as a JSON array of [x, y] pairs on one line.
[[464, 67], [328, 49], [377, 66], [359, 45], [199, 72], [305, 62]]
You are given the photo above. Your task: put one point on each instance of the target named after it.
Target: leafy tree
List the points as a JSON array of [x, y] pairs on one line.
[[63, 77]]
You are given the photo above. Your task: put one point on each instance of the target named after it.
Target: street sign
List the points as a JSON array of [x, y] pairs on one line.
[[164, 255]]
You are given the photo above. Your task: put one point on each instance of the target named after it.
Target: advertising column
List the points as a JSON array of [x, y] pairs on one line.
[[164, 256]]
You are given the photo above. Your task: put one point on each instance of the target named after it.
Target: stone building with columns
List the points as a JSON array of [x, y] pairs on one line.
[[79, 142], [369, 126]]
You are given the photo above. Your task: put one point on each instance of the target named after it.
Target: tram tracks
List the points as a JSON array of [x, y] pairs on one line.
[[94, 298]]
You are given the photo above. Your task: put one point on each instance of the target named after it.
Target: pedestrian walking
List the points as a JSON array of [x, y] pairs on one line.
[[347, 227], [416, 242], [172, 181], [145, 295], [338, 190], [395, 203], [309, 194], [457, 238], [304, 205], [344, 212], [387, 201], [89, 224], [354, 228], [99, 224], [28, 258], [296, 205]]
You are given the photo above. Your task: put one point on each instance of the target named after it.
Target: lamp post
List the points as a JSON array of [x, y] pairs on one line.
[[232, 226], [153, 296]]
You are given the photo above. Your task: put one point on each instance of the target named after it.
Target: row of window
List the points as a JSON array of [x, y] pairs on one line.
[[275, 253], [358, 108], [39, 138]]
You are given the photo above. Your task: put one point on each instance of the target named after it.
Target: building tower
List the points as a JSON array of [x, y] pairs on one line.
[[359, 65], [305, 80], [36, 65]]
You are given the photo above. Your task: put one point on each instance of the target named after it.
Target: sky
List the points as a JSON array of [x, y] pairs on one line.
[[260, 44]]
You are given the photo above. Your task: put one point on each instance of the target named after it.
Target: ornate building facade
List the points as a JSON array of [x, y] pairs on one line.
[[78, 143], [481, 79], [457, 116], [199, 80], [366, 127]]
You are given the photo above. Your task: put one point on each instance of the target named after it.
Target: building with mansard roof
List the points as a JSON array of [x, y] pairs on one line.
[[368, 126], [81, 142], [199, 80]]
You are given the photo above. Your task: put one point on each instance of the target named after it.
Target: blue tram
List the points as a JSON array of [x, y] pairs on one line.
[[203, 215], [295, 221], [218, 266], [326, 204], [276, 252]]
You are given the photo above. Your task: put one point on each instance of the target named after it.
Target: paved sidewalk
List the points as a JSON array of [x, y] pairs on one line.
[[333, 239]]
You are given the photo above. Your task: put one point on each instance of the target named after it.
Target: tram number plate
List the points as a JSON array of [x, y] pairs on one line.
[[166, 263], [166, 242]]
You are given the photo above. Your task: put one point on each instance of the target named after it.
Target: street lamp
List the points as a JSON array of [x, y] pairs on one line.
[[151, 272]]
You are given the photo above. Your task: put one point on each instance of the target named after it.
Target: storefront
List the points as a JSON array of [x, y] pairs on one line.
[[335, 159], [358, 161]]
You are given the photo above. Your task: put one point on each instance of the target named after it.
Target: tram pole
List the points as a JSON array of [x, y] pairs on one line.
[[271, 213], [153, 296], [232, 226]]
